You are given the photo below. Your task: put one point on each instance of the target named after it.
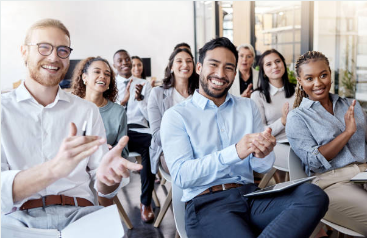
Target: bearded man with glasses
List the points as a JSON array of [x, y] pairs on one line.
[[47, 164]]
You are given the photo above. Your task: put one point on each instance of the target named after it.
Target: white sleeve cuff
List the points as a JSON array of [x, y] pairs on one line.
[[123, 183], [7, 179], [229, 155]]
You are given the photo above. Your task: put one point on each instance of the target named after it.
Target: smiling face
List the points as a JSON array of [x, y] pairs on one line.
[[182, 66], [245, 59], [273, 67], [137, 68], [315, 79], [98, 77], [217, 73], [46, 70], [122, 63]]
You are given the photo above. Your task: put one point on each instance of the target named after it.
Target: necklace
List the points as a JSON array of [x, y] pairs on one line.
[[104, 102]]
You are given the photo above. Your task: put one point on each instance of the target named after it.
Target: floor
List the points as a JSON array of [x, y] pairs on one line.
[[130, 199]]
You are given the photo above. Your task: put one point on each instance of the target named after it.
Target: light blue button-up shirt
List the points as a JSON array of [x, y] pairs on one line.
[[199, 139], [310, 126]]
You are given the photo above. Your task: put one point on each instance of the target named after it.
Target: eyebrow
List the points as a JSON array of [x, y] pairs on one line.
[[217, 61], [101, 69], [319, 73]]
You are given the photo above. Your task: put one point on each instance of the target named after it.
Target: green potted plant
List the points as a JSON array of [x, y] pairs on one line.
[[348, 83]]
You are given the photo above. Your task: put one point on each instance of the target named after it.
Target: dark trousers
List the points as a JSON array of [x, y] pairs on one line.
[[291, 213], [140, 142]]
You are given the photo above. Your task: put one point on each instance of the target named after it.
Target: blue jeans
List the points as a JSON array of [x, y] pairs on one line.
[[291, 213]]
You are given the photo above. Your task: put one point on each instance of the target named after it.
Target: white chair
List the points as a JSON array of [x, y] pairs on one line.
[[178, 210], [168, 201], [281, 152], [296, 171]]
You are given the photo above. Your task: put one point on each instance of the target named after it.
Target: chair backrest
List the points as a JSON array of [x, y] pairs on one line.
[[295, 166], [281, 152], [178, 210], [165, 175]]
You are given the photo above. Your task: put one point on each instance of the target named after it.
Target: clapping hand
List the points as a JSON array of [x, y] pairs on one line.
[[350, 122], [127, 93], [113, 167], [73, 150], [138, 90], [285, 111], [247, 92], [259, 144]]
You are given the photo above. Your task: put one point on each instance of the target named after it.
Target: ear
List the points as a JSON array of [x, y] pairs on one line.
[[84, 76], [24, 52], [299, 80], [114, 65], [198, 68]]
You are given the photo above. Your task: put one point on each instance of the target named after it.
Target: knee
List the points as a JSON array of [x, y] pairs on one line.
[[314, 196]]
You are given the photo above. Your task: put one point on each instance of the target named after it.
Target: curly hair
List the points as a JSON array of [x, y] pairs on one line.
[[169, 77], [304, 59], [78, 85]]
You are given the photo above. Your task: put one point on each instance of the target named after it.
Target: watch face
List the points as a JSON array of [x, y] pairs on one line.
[[141, 97]]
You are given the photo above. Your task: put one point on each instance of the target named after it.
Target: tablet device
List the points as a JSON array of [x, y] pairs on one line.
[[360, 178], [279, 187]]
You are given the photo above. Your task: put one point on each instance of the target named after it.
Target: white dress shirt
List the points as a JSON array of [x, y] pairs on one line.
[[31, 134], [137, 112]]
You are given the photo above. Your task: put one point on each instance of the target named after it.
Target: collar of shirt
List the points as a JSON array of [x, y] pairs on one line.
[[307, 103], [273, 90], [118, 77], [203, 101], [23, 94]]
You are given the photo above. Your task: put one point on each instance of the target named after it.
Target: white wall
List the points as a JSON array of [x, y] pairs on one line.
[[147, 29]]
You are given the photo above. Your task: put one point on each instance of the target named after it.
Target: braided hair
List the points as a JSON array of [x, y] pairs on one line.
[[304, 59]]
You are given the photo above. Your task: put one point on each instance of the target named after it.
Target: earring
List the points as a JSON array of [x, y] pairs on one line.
[[84, 83], [108, 87], [171, 71], [300, 87]]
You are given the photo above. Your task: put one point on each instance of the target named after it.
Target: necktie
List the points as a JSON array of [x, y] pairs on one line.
[[126, 82]]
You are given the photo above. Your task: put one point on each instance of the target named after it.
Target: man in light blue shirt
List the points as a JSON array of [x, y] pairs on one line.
[[212, 144]]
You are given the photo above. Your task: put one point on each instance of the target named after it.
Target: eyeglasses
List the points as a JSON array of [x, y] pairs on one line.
[[46, 49]]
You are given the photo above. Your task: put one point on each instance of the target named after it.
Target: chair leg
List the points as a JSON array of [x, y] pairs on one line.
[[163, 181], [265, 180], [164, 209], [138, 158], [287, 176], [317, 229], [155, 199], [122, 212]]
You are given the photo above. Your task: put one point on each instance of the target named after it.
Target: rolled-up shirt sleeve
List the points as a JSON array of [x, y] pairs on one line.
[[304, 145], [7, 179]]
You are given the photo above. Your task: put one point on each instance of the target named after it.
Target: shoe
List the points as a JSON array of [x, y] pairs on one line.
[[146, 212]]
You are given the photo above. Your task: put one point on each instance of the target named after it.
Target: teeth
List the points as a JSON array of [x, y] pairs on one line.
[[49, 67], [100, 82], [217, 82]]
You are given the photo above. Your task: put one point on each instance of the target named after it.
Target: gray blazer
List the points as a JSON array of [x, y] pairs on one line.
[[160, 100]]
